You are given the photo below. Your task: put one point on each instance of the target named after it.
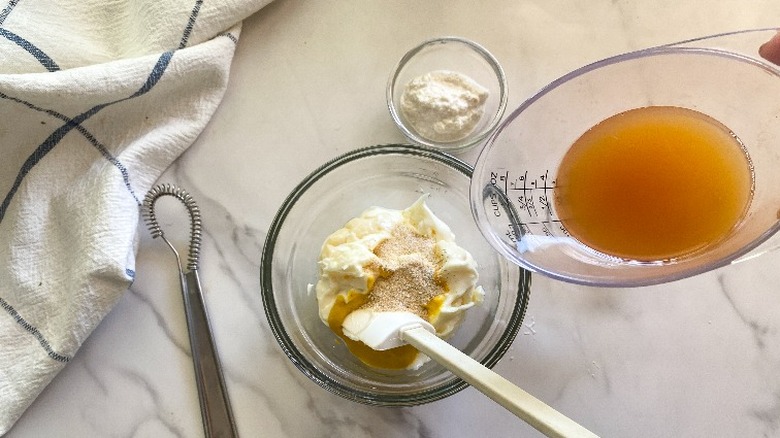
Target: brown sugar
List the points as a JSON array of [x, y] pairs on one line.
[[406, 272]]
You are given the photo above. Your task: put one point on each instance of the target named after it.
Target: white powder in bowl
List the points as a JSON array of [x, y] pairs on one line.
[[443, 106]]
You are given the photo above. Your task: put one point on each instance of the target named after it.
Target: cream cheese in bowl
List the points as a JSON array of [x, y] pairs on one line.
[[386, 261]]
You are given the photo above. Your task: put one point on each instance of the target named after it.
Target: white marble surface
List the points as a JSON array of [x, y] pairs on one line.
[[694, 358]]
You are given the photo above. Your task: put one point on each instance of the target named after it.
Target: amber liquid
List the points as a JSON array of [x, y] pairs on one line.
[[395, 358], [653, 184]]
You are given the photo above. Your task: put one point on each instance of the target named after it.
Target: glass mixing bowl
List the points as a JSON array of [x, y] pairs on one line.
[[513, 189], [391, 176]]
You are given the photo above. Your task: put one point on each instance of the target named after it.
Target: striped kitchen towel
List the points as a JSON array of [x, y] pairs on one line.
[[97, 98]]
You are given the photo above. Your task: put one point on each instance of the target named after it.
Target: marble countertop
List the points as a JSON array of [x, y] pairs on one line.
[[692, 358]]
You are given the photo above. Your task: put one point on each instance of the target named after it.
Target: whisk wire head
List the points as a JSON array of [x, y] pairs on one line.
[[147, 211]]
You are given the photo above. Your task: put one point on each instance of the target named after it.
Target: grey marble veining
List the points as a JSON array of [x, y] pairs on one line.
[[693, 358]]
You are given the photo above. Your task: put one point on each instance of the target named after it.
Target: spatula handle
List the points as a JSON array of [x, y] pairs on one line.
[[527, 407]]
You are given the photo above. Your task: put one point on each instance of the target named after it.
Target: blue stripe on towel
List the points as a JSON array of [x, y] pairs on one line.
[[131, 275], [7, 10], [34, 331], [44, 59], [230, 36], [54, 139], [154, 76], [190, 24], [88, 135]]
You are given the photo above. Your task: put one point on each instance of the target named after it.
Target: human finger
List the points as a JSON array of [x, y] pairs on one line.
[[770, 50]]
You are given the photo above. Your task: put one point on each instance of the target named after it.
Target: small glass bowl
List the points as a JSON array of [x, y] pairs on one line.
[[454, 54], [391, 176]]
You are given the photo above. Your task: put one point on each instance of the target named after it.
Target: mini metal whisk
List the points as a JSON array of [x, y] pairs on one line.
[[214, 403]]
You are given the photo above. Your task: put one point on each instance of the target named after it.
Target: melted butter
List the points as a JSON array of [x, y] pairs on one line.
[[434, 306], [394, 358]]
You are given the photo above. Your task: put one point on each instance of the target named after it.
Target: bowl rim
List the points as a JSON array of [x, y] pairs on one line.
[[477, 184], [470, 140], [450, 387]]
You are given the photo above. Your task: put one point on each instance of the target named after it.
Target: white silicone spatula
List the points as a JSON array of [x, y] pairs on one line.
[[384, 330]]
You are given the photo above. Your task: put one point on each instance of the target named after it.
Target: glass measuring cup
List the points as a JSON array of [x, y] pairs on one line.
[[513, 187]]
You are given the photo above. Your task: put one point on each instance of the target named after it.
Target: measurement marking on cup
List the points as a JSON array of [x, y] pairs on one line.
[[531, 198], [532, 184], [555, 221], [529, 187]]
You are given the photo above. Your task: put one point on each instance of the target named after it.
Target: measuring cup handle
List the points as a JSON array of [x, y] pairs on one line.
[[214, 403]]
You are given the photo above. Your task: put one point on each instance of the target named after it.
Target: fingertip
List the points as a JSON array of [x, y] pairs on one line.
[[770, 50]]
